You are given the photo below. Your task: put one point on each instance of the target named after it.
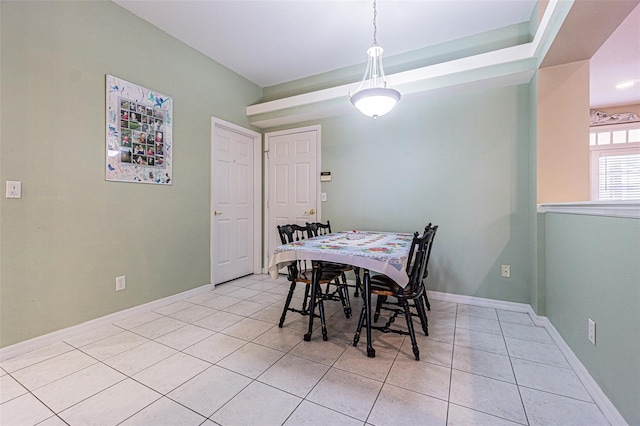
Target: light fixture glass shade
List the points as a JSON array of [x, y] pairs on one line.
[[376, 101], [373, 98]]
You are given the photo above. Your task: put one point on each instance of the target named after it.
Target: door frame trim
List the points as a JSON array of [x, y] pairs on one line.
[[316, 128], [257, 192]]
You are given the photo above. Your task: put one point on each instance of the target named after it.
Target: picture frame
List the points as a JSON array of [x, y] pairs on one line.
[[139, 136]]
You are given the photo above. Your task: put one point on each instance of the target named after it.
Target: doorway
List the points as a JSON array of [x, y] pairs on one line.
[[236, 202], [292, 181]]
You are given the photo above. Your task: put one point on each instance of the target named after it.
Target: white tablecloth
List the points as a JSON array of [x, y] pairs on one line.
[[383, 252]]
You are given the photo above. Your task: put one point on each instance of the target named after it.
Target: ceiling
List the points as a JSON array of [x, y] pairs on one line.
[[275, 41], [618, 60]]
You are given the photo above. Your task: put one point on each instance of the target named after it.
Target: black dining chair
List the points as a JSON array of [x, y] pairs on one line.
[[340, 291], [300, 271], [319, 228], [382, 285], [381, 300], [425, 299]]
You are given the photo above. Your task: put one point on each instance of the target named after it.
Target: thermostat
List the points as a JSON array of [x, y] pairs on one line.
[[325, 176]]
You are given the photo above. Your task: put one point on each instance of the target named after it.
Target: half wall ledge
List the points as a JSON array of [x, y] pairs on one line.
[[625, 209]]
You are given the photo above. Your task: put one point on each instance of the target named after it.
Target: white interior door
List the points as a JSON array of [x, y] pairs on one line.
[[235, 202], [292, 162]]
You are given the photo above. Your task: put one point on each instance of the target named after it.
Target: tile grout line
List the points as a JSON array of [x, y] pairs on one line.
[[284, 353], [515, 377], [453, 353]]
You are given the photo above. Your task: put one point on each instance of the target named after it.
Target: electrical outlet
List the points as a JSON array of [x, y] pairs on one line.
[[14, 189], [505, 271], [592, 331], [121, 283]]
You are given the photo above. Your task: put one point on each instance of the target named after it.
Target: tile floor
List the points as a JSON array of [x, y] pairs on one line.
[[220, 358]]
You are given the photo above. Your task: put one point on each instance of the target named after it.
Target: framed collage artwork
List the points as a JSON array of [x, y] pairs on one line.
[[139, 134]]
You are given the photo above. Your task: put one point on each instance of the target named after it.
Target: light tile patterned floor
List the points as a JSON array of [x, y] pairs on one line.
[[220, 358]]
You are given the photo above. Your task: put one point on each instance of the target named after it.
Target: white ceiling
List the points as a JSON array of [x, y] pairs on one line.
[[618, 60], [276, 41]]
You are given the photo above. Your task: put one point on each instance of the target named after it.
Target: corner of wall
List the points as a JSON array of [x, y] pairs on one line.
[[563, 133], [539, 286]]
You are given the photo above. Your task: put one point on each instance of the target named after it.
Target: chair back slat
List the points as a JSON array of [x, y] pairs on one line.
[[290, 234], [412, 250], [421, 246], [434, 229], [318, 228], [429, 227]]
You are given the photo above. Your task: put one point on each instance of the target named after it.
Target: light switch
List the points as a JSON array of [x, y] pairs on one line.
[[323, 196], [14, 189]]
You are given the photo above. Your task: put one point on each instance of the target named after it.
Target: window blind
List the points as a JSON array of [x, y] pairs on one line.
[[619, 177]]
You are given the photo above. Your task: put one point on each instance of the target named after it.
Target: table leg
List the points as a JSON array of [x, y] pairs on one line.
[[315, 278], [371, 353]]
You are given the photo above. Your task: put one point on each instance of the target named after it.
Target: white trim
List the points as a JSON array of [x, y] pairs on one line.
[[315, 127], [614, 127], [522, 58], [479, 301], [257, 191], [407, 82], [625, 209], [609, 410], [343, 106], [76, 330], [546, 26]]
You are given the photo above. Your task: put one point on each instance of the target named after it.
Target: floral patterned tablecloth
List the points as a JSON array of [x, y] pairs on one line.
[[383, 252]]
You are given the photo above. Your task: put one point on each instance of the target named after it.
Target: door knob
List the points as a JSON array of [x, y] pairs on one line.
[[216, 213], [310, 212]]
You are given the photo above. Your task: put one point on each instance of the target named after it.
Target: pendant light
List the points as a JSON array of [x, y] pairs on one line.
[[373, 98]]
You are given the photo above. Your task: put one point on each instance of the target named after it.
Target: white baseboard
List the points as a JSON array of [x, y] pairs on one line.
[[602, 401], [479, 301], [76, 330], [608, 409]]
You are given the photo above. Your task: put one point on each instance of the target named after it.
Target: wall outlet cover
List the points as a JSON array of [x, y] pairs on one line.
[[592, 331], [505, 271], [121, 283], [14, 189]]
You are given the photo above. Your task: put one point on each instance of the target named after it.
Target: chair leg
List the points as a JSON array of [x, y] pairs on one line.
[[323, 321], [424, 321], [381, 299], [426, 300], [345, 287], [306, 298], [344, 284], [356, 271], [344, 299], [356, 338], [287, 303], [414, 343]]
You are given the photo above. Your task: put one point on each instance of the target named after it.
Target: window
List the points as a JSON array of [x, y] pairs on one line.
[[615, 162]]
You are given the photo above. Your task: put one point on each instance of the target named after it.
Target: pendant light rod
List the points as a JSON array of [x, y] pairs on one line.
[[375, 27]]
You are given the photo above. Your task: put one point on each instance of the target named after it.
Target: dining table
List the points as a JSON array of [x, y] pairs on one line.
[[381, 252]]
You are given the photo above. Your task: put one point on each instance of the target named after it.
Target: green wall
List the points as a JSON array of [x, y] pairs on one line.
[[464, 162], [72, 233], [460, 162], [593, 271]]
